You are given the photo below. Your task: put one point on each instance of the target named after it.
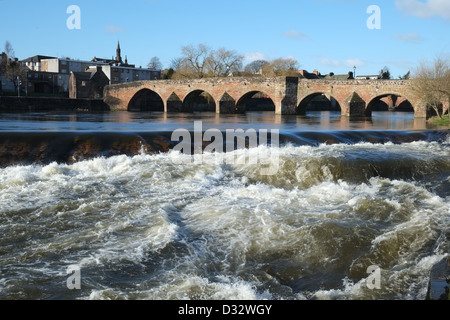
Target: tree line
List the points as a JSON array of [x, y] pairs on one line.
[[202, 61]]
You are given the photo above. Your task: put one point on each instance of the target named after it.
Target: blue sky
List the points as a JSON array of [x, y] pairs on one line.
[[327, 35]]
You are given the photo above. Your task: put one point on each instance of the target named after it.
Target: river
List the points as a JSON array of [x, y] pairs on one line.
[[100, 206]]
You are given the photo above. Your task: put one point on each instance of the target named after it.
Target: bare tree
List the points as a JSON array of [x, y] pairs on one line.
[[176, 63], [11, 67], [281, 67], [7, 55], [180, 69], [385, 73], [155, 64], [255, 67], [195, 59], [9, 50], [3, 61], [407, 76], [223, 63], [431, 84], [201, 61]]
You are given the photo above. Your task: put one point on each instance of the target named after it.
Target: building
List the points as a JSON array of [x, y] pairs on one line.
[[123, 74], [117, 61], [304, 74], [370, 77], [88, 85], [342, 77], [34, 63], [120, 71], [39, 82], [48, 74]]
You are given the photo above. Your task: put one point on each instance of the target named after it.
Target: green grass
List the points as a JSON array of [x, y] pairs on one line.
[[444, 122]]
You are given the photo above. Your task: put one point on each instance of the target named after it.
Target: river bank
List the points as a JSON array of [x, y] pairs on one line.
[[440, 123], [41, 104]]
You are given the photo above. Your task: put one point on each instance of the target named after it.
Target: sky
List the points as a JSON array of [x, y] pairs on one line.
[[326, 35]]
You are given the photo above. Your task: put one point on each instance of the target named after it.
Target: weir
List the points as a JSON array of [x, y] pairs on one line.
[[26, 148]]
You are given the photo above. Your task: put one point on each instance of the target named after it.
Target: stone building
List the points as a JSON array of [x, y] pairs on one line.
[[120, 71], [88, 85]]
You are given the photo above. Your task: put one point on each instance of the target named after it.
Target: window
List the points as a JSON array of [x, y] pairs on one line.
[[83, 83]]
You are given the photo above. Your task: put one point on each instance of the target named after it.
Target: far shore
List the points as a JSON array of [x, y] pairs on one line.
[[440, 123]]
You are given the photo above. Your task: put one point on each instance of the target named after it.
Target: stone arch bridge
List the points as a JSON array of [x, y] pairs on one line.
[[289, 95]]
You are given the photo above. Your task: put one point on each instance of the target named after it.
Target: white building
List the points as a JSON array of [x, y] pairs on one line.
[[370, 77]]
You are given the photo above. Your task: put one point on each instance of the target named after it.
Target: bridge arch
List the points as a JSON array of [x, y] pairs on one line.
[[174, 103], [255, 101], [146, 100], [389, 102], [318, 101], [227, 104], [199, 101]]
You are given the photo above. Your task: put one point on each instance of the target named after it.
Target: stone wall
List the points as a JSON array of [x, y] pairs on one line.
[[26, 104]]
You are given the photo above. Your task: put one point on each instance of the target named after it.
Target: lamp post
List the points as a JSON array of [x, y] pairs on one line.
[[354, 72]]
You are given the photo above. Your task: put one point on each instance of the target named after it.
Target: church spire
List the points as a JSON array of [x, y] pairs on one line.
[[118, 57]]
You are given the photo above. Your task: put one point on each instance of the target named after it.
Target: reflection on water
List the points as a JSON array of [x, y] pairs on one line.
[[148, 121]]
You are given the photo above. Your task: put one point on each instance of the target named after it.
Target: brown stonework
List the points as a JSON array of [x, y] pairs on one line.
[[286, 93]]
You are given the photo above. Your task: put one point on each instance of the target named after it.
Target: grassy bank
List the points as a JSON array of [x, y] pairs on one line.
[[443, 122]]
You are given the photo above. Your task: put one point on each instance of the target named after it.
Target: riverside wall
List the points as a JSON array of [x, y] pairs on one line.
[[37, 104]]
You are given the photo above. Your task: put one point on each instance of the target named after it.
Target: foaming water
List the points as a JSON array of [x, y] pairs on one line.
[[163, 226], [107, 193]]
